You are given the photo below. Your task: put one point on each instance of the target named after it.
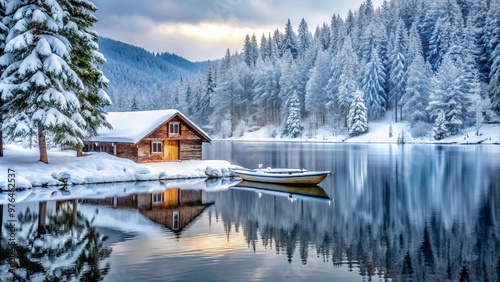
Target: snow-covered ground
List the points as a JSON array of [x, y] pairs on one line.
[[65, 167], [378, 132]]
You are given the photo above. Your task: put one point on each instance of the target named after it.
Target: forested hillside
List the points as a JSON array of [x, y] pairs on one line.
[[420, 59], [135, 73]]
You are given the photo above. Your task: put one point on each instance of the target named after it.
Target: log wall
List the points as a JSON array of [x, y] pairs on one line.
[[191, 150]]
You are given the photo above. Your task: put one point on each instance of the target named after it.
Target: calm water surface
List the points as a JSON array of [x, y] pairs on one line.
[[393, 213]]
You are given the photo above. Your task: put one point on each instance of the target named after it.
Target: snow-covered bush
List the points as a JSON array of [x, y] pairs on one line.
[[421, 129], [440, 129]]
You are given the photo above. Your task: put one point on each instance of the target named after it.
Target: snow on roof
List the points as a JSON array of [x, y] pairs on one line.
[[131, 127]]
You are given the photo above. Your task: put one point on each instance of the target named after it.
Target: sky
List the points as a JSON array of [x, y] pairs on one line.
[[201, 30]]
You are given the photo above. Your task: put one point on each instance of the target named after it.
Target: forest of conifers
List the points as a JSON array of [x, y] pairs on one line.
[[418, 59]]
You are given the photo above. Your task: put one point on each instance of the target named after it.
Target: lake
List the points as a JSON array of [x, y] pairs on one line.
[[388, 213]]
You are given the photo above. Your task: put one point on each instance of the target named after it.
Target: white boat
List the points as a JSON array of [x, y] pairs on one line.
[[282, 175]]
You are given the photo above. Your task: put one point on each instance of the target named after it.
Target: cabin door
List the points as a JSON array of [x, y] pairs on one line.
[[171, 150]]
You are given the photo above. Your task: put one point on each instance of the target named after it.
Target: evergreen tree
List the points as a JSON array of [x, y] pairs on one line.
[[357, 120], [491, 36], [38, 84], [86, 60], [264, 52], [439, 130], [289, 41], [203, 108], [248, 51], [304, 38], [315, 99], [449, 96], [255, 49], [448, 28], [346, 62], [324, 36], [494, 50], [293, 127], [288, 81], [476, 22], [415, 100], [372, 84], [398, 68], [495, 80], [267, 94]]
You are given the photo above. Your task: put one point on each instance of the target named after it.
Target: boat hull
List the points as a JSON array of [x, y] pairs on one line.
[[300, 178]]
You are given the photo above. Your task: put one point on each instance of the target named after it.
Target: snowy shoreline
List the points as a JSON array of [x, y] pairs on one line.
[[378, 133], [65, 168]]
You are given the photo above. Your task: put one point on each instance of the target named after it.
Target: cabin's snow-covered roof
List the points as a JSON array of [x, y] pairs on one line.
[[132, 127]]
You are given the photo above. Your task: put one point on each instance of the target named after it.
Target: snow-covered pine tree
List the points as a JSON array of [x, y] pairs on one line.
[[323, 36], [293, 127], [344, 78], [288, 81], [247, 51], [203, 106], [372, 84], [448, 27], [304, 38], [290, 41], [398, 67], [315, 100], [255, 49], [415, 100], [439, 130], [476, 21], [38, 84], [450, 95], [266, 94], [264, 53], [357, 119], [494, 44], [85, 61], [495, 80]]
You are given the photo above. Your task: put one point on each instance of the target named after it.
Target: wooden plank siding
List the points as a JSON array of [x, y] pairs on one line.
[[191, 150]]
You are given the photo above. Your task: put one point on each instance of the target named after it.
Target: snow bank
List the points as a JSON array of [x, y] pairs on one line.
[[66, 169], [120, 189], [378, 132]]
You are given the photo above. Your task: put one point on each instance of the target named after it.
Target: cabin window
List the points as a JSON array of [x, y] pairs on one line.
[[174, 128], [175, 220], [157, 198], [156, 147]]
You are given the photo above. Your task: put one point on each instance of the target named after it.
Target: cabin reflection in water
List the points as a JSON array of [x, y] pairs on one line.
[[173, 208]]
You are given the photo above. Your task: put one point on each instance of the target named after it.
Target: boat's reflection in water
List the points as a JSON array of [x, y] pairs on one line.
[[292, 192]]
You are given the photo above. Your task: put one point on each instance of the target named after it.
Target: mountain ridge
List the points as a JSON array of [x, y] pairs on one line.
[[131, 68]]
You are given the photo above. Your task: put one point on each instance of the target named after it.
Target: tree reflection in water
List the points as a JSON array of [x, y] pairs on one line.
[[431, 251], [63, 246]]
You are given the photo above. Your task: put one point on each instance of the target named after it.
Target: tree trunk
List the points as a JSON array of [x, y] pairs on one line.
[[79, 151], [42, 144], [396, 109], [42, 214], [74, 214]]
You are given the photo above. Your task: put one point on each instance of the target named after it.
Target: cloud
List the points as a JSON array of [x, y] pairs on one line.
[[200, 30]]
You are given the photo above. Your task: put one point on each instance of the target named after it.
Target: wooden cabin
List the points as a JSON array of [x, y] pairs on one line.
[[150, 136]]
